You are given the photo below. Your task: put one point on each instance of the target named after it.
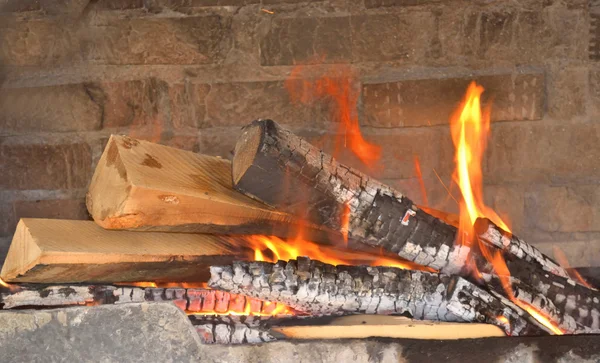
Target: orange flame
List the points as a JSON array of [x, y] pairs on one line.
[[345, 219], [12, 288], [564, 263], [470, 129], [272, 249], [336, 85], [421, 182]]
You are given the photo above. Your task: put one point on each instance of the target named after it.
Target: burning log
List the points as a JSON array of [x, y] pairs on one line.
[[139, 185], [279, 168], [68, 251], [320, 289], [192, 300]]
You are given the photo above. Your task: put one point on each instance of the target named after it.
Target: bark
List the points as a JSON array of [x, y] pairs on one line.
[[224, 333], [320, 289], [279, 168], [201, 301]]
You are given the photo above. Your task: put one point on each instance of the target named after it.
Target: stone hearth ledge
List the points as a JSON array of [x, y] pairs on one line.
[[161, 332]]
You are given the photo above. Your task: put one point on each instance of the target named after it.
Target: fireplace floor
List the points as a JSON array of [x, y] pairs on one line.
[[161, 332]]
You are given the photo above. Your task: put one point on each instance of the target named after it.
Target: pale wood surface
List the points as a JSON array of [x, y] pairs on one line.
[[365, 326], [139, 185], [60, 251]]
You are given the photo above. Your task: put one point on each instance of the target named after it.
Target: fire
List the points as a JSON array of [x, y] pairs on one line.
[[564, 263], [421, 182], [337, 85], [279, 249], [470, 129], [345, 222], [12, 288]]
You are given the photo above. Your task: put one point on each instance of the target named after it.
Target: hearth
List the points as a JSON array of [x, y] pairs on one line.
[[299, 180]]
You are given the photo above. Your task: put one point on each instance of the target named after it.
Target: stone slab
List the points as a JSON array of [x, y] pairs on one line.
[[147, 332]]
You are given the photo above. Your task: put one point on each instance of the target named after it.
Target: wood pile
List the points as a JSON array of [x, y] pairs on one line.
[[166, 215]]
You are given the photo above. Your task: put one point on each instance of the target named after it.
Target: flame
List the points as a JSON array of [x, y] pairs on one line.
[[279, 249], [421, 182], [470, 130], [338, 86], [12, 288], [562, 260], [345, 222]]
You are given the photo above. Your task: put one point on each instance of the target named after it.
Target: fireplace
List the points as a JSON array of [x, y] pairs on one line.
[[307, 180]]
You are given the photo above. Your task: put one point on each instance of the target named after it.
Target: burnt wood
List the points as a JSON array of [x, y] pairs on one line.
[[281, 169], [318, 289]]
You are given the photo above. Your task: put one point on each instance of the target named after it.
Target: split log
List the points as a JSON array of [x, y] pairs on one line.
[[366, 326], [277, 167], [321, 289], [67, 251], [139, 185]]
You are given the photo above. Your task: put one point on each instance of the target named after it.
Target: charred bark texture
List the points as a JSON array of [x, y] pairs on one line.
[[279, 168], [321, 289], [225, 333], [201, 301]]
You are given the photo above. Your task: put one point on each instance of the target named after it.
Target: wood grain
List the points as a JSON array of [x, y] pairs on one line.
[[139, 185], [66, 251]]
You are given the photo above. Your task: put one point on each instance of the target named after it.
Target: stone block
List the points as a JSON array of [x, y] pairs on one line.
[[383, 3], [423, 102], [238, 104], [409, 37], [541, 153], [142, 332], [33, 166], [573, 208], [307, 40], [52, 208], [51, 109], [190, 40], [17, 6]]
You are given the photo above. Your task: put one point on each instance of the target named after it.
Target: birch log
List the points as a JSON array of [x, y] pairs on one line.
[[321, 289], [281, 169]]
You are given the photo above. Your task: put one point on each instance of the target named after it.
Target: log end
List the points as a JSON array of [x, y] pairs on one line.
[[246, 149]]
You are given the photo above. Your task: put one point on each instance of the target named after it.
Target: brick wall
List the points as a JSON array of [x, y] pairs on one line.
[[189, 73]]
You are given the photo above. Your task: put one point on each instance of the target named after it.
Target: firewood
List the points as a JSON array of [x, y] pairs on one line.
[[139, 185], [191, 300], [275, 166], [366, 326], [67, 251], [320, 289]]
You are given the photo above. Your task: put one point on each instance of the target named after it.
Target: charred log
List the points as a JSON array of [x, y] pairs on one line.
[[191, 300], [281, 169], [321, 289]]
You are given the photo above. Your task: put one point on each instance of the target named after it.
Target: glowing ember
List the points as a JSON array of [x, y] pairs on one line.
[[470, 129], [337, 85]]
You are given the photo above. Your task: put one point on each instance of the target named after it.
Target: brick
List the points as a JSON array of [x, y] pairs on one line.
[[145, 102], [8, 222], [53, 208], [237, 104], [192, 40], [44, 166], [510, 36], [14, 6], [509, 203], [381, 3], [39, 43], [218, 142], [565, 208], [543, 153], [432, 101], [567, 92], [594, 90], [53, 108], [119, 4], [176, 4], [309, 40], [410, 37]]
